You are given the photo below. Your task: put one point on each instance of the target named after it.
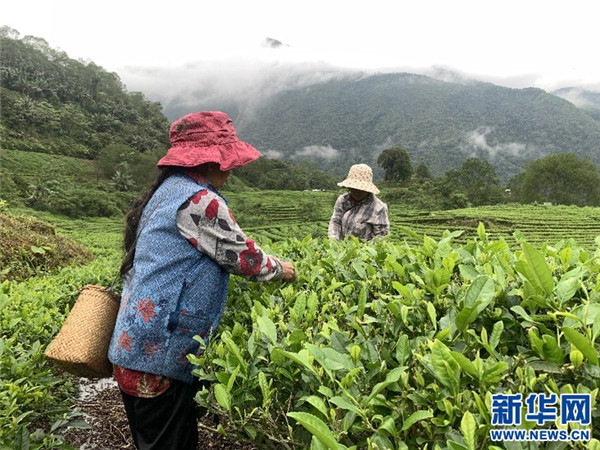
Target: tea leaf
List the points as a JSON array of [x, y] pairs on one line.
[[493, 374], [317, 427], [329, 358], [37, 250], [362, 300], [401, 289], [466, 364], [311, 306], [431, 312], [552, 351], [480, 290], [566, 289], [452, 445], [300, 306], [468, 427], [416, 417], [345, 404], [466, 315], [392, 377], [539, 274], [317, 402], [332, 287], [521, 312], [582, 343], [300, 358], [222, 396], [267, 327], [446, 368], [496, 334], [235, 350], [232, 378], [264, 389], [481, 231], [402, 349], [596, 327], [576, 358]]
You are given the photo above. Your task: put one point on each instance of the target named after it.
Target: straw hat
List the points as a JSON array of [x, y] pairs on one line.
[[360, 177], [205, 137]]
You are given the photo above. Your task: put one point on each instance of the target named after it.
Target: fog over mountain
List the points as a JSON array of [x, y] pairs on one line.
[[243, 84], [588, 101], [339, 117], [238, 86], [315, 110]]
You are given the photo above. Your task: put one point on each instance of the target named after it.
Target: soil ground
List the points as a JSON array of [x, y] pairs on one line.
[[101, 403]]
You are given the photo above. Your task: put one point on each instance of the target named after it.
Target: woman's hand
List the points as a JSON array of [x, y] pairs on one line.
[[289, 272]]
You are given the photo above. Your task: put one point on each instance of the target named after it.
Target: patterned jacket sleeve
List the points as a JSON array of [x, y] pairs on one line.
[[381, 223], [208, 224], [335, 223]]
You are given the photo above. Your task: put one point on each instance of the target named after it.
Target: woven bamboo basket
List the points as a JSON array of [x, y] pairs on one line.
[[81, 345]]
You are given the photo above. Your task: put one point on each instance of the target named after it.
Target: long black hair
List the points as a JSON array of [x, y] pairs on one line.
[[132, 220]]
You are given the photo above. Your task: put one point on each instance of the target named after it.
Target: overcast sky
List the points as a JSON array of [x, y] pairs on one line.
[[514, 43]]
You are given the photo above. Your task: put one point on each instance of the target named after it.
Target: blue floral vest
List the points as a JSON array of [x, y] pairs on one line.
[[172, 293]]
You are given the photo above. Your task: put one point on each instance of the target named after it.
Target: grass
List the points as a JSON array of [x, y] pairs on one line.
[[31, 247]]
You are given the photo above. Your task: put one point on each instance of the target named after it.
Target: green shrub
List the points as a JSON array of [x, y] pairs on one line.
[[397, 346]]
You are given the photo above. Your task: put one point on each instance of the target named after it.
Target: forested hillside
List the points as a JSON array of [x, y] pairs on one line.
[[439, 123], [586, 100], [76, 142], [54, 104]]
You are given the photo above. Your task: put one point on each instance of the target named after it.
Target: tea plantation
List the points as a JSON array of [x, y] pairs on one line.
[[395, 344]]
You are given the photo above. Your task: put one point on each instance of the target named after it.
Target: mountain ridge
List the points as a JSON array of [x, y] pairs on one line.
[[53, 104], [437, 122]]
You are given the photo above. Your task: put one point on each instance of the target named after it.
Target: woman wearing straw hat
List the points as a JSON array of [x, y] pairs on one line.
[[182, 244], [359, 212]]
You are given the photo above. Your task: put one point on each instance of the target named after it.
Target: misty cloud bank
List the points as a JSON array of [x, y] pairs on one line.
[[319, 151], [478, 140], [240, 84], [580, 97]]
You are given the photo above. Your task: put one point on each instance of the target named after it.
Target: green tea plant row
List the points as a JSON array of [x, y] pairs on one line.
[[275, 233], [35, 398], [357, 351], [537, 224], [270, 211], [396, 346]]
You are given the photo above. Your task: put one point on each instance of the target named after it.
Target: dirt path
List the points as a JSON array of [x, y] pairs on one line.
[[100, 401]]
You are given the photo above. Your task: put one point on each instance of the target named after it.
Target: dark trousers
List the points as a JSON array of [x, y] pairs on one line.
[[166, 422]]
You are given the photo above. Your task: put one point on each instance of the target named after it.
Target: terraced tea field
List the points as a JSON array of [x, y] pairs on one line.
[[276, 215], [537, 224]]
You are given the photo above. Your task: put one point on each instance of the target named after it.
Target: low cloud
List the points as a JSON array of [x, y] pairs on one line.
[[319, 151], [478, 139], [578, 97], [274, 154], [213, 84]]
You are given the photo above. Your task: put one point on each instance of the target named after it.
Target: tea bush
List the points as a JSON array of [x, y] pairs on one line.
[[377, 345], [394, 346]]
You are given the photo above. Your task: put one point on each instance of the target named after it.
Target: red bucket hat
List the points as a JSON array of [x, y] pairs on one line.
[[205, 137]]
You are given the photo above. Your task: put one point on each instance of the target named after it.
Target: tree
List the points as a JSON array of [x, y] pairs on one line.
[[477, 180], [396, 164], [561, 178], [422, 171], [122, 179]]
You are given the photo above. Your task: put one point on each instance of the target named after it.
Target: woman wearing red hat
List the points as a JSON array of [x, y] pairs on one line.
[[182, 244]]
